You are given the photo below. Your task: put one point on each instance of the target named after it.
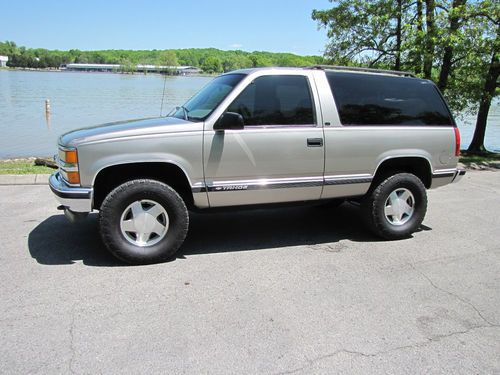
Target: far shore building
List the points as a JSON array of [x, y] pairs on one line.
[[3, 61], [179, 70]]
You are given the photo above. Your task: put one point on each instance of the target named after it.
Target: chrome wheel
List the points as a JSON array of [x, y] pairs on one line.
[[399, 206], [144, 223]]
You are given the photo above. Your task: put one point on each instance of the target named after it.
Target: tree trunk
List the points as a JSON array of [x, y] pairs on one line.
[[477, 144], [399, 14], [429, 40], [418, 41], [446, 65]]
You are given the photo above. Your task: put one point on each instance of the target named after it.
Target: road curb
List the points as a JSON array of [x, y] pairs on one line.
[[24, 179]]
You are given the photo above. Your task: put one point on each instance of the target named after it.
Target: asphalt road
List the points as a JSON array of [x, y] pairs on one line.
[[293, 291]]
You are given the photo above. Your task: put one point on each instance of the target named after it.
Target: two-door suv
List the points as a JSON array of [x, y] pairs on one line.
[[258, 137]]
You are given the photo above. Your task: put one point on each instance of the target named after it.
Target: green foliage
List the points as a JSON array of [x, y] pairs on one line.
[[212, 64], [22, 166], [364, 32], [210, 59], [360, 31]]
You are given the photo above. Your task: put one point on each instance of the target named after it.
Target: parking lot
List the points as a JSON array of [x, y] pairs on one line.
[[303, 290]]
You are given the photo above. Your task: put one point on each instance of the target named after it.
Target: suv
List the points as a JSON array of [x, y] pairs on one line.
[[263, 136]]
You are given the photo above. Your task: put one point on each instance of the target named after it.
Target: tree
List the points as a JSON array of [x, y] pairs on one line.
[[489, 90], [454, 16], [212, 65], [169, 59], [429, 38], [364, 31]]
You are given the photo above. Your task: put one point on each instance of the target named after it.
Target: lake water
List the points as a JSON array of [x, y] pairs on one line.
[[83, 99]]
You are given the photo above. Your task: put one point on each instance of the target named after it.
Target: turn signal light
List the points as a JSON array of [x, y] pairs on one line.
[[71, 157], [73, 177]]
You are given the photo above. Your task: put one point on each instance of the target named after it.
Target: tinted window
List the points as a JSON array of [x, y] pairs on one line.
[[275, 100], [368, 99]]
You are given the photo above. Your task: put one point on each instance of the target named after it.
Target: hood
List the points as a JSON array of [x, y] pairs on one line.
[[121, 129]]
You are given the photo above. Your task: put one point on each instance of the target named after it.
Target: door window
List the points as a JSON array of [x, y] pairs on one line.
[[275, 100]]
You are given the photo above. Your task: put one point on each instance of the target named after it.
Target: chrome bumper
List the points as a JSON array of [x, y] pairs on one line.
[[76, 199], [458, 175]]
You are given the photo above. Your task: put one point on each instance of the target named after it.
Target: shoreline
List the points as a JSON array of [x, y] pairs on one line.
[[57, 70]]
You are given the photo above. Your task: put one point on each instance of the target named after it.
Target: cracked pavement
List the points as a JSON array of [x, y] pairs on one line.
[[303, 290]]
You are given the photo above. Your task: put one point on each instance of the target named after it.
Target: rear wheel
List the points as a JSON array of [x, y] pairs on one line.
[[396, 207], [143, 221]]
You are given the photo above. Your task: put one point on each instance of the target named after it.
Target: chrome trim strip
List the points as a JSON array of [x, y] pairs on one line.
[[284, 183], [199, 187], [65, 148], [348, 179], [68, 167], [440, 173], [280, 183]]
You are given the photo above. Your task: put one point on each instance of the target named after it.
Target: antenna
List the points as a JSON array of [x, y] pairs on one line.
[[163, 95]]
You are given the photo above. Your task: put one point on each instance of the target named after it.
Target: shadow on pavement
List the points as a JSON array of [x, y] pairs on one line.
[[57, 241], [275, 228]]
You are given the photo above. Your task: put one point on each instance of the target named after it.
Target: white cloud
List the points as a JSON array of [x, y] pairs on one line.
[[236, 45]]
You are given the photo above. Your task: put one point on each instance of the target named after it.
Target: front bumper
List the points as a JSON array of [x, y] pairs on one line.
[[76, 199]]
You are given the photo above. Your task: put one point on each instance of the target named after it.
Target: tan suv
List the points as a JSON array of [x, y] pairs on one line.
[[258, 137]]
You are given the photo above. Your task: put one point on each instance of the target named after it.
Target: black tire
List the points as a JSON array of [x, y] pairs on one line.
[[118, 202], [395, 227]]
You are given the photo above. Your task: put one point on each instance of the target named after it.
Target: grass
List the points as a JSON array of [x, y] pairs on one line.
[[23, 166]]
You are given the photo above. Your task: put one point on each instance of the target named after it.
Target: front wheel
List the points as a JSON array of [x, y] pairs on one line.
[[396, 207], [143, 221]]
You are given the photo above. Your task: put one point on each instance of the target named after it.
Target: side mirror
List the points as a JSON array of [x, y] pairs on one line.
[[230, 121]]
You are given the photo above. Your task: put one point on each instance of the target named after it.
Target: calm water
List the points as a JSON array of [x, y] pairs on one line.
[[84, 99], [78, 100]]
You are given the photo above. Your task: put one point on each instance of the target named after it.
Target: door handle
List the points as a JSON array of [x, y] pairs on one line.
[[314, 142]]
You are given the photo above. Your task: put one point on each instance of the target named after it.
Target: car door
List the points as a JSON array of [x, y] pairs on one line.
[[278, 155]]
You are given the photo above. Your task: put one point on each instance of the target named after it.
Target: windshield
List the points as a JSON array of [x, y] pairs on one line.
[[200, 106]]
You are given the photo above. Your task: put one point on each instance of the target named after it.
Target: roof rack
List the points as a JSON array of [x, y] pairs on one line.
[[361, 69]]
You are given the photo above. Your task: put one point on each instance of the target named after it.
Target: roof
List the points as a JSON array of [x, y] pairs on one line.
[[359, 69], [352, 69], [4, 58]]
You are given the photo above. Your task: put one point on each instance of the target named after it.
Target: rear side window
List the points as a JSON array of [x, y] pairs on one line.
[[275, 100], [369, 99]]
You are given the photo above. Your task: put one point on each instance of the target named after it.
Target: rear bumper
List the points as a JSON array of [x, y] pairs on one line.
[[458, 175], [76, 199], [444, 177]]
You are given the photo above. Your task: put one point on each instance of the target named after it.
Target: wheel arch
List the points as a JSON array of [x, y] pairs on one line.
[[420, 166], [114, 175]]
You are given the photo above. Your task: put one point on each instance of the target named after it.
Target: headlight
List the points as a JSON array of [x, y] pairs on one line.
[[68, 165]]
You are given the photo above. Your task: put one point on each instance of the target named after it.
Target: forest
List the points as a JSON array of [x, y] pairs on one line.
[[211, 60]]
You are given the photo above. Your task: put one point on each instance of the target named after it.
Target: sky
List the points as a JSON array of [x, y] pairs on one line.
[[256, 25]]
